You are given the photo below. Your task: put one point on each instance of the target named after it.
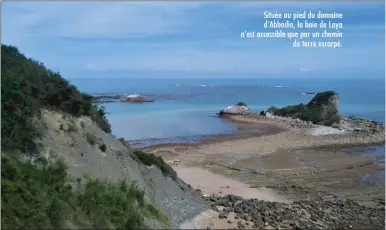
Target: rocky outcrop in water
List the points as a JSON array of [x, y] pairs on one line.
[[136, 98], [334, 213], [99, 99], [323, 109], [238, 109]]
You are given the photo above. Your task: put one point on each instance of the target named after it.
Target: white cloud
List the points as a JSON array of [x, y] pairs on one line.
[[94, 19], [81, 35]]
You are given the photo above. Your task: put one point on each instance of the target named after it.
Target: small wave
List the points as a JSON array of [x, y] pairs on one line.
[[282, 86], [307, 93], [205, 85], [178, 85]]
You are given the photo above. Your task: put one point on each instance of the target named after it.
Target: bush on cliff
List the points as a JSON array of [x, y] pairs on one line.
[[151, 159], [26, 88], [322, 109], [41, 198]]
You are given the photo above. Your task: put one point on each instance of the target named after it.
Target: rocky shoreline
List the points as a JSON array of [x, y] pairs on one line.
[[331, 213]]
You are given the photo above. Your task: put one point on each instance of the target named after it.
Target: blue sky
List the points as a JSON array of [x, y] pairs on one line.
[[188, 39]]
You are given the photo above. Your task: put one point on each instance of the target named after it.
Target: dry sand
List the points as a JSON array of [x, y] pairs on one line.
[[211, 183]]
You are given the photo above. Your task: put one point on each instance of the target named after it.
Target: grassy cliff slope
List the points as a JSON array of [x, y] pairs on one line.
[[61, 167]]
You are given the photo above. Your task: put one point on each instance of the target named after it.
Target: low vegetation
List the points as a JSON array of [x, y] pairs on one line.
[[42, 198], [103, 147], [151, 159], [241, 104], [91, 138]]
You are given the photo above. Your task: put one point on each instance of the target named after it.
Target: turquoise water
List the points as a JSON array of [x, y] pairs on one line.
[[186, 107]]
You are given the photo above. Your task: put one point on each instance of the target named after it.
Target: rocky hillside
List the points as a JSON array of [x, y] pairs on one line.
[[323, 109], [61, 167], [90, 152]]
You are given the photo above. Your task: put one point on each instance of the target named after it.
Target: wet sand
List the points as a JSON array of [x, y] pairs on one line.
[[280, 157], [211, 183], [265, 136]]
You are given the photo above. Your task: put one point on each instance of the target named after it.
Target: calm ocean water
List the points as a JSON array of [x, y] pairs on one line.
[[185, 107]]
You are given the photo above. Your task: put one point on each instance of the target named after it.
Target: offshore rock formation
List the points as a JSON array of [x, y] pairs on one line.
[[136, 98], [238, 109], [323, 109]]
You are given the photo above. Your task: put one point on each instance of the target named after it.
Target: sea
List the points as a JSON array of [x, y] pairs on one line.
[[185, 109]]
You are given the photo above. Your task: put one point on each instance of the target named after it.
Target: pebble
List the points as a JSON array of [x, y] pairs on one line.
[[302, 214]]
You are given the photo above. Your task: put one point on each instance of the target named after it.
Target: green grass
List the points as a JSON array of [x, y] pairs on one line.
[[42, 198], [151, 159]]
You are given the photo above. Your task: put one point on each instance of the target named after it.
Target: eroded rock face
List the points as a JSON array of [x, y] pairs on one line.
[[241, 109]]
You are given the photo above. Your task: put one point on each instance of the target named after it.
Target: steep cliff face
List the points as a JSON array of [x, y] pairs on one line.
[[91, 153]]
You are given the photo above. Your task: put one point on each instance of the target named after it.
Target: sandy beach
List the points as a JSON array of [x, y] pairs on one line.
[[283, 164]]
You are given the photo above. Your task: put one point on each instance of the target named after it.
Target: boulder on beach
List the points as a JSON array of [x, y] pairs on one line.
[[136, 98], [323, 109], [238, 109]]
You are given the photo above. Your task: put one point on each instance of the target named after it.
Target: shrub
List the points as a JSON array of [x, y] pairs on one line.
[[33, 197], [125, 143], [109, 205], [151, 159], [82, 125], [41, 198], [72, 127], [103, 147], [91, 138]]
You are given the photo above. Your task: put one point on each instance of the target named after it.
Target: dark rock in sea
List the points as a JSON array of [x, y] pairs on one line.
[[136, 98], [238, 109], [98, 99], [323, 109]]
